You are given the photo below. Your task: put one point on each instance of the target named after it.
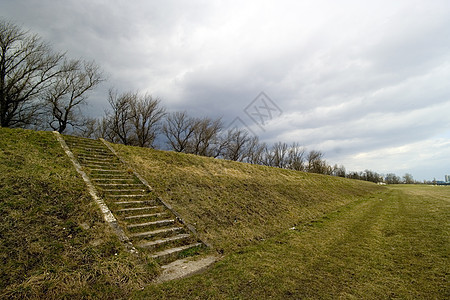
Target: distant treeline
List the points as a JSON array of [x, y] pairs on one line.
[[140, 120]]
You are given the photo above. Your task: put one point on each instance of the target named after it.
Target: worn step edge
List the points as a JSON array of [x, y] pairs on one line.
[[155, 232], [125, 196], [159, 222], [164, 241], [124, 190], [110, 170], [137, 208], [135, 202], [145, 216], [185, 267], [113, 179], [169, 251], [121, 184], [111, 159]]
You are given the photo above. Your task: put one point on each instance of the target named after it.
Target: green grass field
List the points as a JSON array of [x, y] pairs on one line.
[[352, 239], [394, 244]]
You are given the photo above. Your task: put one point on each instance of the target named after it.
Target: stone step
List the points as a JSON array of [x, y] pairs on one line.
[[160, 242], [102, 164], [111, 175], [99, 166], [110, 170], [175, 250], [145, 216], [97, 155], [126, 196], [93, 159], [155, 232], [123, 184], [124, 190], [147, 202], [82, 144], [113, 179], [154, 223], [131, 209], [98, 148]]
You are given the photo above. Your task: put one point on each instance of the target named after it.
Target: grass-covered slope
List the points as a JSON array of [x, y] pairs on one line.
[[53, 241], [236, 204], [394, 246], [352, 239]]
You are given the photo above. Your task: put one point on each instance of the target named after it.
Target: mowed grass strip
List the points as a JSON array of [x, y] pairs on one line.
[[53, 241], [392, 245], [237, 204]]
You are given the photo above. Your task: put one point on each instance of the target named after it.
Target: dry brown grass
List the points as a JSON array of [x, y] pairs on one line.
[[236, 204], [53, 241]]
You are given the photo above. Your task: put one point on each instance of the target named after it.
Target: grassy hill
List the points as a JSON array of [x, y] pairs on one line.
[[235, 204], [351, 238], [53, 242]]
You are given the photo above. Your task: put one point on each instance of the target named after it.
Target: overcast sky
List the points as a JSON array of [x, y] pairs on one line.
[[366, 82]]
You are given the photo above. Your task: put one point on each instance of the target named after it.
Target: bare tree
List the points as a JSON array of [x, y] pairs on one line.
[[146, 113], [235, 144], [391, 178], [255, 151], [205, 138], [280, 155], [296, 157], [118, 122], [408, 179], [316, 164], [69, 91], [134, 119], [179, 129], [339, 171], [27, 67]]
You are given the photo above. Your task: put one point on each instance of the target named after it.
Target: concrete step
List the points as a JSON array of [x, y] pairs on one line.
[[91, 150], [160, 242], [173, 251], [137, 209], [154, 223], [102, 164], [112, 176], [122, 184], [144, 202], [145, 216], [83, 144], [155, 232], [98, 159], [110, 170], [124, 190], [126, 196], [113, 179], [96, 155], [97, 165]]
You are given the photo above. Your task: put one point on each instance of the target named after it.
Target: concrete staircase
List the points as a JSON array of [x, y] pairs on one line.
[[148, 223]]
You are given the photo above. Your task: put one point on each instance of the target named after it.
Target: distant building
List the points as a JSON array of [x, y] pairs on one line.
[[447, 178]]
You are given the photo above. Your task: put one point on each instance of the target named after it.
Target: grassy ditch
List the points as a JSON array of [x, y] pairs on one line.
[[53, 241]]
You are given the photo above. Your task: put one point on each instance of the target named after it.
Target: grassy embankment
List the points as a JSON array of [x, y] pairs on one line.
[[236, 204], [53, 242], [352, 238], [395, 245]]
